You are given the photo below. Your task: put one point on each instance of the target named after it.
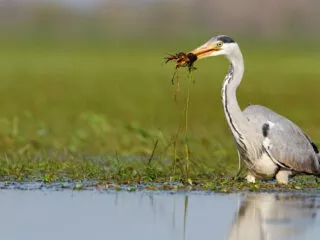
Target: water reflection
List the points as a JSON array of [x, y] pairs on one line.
[[159, 215], [185, 215], [156, 215], [275, 217]]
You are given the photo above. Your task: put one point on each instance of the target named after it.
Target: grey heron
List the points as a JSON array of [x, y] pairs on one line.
[[271, 145]]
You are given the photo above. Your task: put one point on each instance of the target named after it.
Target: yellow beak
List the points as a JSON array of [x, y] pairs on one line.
[[205, 50]]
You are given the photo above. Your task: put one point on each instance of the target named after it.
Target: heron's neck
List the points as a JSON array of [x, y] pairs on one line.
[[236, 119]]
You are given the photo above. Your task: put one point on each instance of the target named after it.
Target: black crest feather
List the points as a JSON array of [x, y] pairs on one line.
[[226, 39]]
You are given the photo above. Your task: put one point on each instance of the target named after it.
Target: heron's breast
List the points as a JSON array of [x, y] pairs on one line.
[[264, 167]]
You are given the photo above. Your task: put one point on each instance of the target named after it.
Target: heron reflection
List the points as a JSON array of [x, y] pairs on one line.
[[274, 216]]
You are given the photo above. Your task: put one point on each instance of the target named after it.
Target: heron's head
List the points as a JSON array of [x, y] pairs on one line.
[[216, 46]]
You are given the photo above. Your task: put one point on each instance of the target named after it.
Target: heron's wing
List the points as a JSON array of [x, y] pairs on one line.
[[289, 145]]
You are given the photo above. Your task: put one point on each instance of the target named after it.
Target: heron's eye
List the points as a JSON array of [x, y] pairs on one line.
[[219, 44]]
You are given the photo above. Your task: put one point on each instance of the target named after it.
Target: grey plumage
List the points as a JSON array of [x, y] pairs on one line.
[[292, 148]]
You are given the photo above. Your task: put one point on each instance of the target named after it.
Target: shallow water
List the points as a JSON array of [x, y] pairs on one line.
[[157, 215]]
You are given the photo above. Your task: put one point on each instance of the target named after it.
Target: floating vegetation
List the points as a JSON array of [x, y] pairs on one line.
[[216, 184]]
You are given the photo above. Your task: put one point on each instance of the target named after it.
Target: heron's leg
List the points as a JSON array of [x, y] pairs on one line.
[[251, 178], [283, 175], [239, 167]]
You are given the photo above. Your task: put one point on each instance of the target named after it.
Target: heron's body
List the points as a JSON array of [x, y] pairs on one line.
[[290, 147], [269, 144]]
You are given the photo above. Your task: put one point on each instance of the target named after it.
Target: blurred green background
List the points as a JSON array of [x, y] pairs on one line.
[[88, 77]]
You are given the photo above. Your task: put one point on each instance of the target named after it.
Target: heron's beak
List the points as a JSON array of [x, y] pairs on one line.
[[205, 50]]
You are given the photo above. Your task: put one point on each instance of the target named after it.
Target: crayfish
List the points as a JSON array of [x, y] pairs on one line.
[[182, 60]]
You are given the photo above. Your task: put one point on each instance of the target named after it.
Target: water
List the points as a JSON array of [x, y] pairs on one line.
[[157, 215]]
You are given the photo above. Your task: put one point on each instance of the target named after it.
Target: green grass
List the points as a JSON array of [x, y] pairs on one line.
[[96, 111]]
